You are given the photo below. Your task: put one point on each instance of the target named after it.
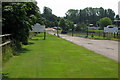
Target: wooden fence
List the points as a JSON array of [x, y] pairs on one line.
[[98, 34], [5, 39], [104, 34]]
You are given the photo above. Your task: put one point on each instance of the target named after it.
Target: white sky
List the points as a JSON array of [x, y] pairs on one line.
[[60, 7]]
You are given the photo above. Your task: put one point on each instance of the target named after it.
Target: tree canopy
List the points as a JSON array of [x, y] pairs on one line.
[[89, 15], [66, 25], [18, 17], [50, 19], [103, 22]]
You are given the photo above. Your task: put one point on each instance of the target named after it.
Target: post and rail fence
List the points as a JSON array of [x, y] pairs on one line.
[[5, 39], [99, 34], [95, 34]]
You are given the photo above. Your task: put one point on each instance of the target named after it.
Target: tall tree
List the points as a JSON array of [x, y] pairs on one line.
[[81, 27], [49, 18], [47, 10], [66, 25], [89, 15], [62, 24], [117, 17], [18, 19], [105, 22], [72, 15]]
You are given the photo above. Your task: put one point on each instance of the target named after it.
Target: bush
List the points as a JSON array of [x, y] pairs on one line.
[[104, 22], [31, 34], [7, 52], [16, 46], [12, 49], [81, 27], [64, 32]]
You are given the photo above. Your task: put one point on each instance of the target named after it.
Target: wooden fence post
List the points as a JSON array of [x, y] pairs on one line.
[[44, 35], [117, 35], [104, 34]]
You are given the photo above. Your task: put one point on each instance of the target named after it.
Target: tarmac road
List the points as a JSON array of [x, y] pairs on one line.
[[108, 48]]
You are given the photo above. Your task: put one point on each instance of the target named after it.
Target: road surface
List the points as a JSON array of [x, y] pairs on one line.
[[108, 48]]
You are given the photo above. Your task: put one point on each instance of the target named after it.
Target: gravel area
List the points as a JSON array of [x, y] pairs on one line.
[[108, 48]]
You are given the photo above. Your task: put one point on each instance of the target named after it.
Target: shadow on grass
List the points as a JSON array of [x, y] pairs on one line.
[[40, 35], [61, 79], [21, 51], [5, 75], [24, 50], [34, 39], [30, 43], [42, 38]]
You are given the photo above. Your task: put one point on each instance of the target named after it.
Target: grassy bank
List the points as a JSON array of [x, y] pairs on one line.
[[7, 53], [58, 58], [92, 37]]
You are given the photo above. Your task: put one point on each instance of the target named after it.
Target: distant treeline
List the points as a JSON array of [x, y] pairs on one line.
[[89, 15]]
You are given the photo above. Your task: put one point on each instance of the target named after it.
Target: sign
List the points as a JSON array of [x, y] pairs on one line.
[[112, 30], [38, 28]]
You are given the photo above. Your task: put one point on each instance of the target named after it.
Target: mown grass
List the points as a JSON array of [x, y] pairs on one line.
[[97, 30], [93, 37], [100, 30], [58, 58], [7, 53]]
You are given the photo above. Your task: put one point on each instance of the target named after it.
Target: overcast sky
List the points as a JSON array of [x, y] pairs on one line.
[[60, 7]]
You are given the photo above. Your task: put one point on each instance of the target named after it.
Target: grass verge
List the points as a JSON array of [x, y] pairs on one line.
[[94, 37], [58, 58]]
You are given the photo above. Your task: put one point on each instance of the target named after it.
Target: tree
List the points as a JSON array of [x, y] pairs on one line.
[[50, 19], [72, 15], [63, 25], [66, 25], [70, 24], [47, 10], [89, 15], [117, 17], [18, 19], [81, 27], [103, 22]]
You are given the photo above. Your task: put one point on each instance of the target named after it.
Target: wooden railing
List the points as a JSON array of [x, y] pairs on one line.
[[6, 41]]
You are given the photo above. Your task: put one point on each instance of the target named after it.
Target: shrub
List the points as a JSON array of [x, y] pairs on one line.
[[104, 22], [7, 52], [64, 32]]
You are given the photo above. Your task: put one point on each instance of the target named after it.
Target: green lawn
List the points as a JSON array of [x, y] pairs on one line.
[[58, 58], [95, 37], [100, 30], [97, 30]]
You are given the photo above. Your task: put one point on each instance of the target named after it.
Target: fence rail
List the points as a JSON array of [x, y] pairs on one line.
[[4, 42], [106, 35], [5, 35]]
